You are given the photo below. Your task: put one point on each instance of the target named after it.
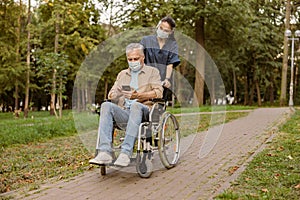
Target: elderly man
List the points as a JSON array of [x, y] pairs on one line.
[[132, 90]]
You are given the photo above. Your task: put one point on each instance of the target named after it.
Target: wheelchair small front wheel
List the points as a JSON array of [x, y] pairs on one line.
[[169, 140], [103, 170], [144, 164]]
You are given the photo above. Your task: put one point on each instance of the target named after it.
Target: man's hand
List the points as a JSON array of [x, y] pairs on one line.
[[134, 95], [127, 94], [130, 94], [116, 93]]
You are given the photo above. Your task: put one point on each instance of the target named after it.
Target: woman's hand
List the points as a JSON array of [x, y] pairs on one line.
[[166, 83]]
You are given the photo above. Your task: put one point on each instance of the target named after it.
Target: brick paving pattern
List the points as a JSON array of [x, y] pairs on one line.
[[192, 178]]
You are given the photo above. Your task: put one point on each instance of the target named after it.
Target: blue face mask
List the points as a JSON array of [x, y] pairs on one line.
[[162, 34], [135, 66]]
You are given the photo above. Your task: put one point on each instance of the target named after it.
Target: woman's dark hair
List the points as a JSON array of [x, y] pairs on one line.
[[170, 21]]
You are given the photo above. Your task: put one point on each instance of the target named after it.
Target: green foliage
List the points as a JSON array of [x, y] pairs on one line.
[[244, 39], [79, 33], [50, 62], [10, 70]]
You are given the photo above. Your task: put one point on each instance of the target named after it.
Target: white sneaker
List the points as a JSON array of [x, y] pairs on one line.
[[123, 160], [103, 158]]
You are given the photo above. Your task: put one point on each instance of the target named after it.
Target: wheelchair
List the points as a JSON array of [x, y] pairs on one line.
[[159, 133]]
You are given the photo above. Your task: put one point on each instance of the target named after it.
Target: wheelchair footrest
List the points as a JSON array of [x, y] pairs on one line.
[[106, 165]]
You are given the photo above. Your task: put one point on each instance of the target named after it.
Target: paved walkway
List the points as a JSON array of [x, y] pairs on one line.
[[192, 178]]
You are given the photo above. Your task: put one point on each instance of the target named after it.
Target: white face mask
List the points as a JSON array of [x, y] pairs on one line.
[[162, 34], [135, 66]]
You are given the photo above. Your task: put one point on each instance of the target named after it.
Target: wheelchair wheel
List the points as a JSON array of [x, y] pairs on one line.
[[169, 139], [144, 164]]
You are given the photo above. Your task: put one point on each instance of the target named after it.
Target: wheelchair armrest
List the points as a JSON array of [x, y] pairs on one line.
[[157, 110], [158, 100], [106, 100]]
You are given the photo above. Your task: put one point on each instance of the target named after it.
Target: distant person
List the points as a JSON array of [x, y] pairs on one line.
[[230, 98], [161, 51], [132, 90]]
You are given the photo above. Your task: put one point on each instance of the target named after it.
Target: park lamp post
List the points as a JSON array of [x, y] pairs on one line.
[[288, 34]]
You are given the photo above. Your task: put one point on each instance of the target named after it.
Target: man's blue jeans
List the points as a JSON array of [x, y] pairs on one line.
[[128, 118]]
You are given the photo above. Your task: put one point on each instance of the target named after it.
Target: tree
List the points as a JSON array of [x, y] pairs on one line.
[[200, 57], [18, 36], [74, 30], [58, 64], [242, 38], [11, 63], [285, 55], [27, 85]]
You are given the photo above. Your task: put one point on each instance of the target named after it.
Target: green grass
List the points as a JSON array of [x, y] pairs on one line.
[[43, 148], [275, 172], [25, 167], [40, 126], [209, 109], [24, 131]]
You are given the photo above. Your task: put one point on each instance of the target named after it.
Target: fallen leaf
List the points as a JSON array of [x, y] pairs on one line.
[[276, 176], [233, 169], [290, 157], [281, 148], [297, 186], [265, 190]]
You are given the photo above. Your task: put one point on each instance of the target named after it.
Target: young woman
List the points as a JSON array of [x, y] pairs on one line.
[[161, 51]]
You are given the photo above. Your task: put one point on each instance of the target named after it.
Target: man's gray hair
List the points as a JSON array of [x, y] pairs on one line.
[[133, 46]]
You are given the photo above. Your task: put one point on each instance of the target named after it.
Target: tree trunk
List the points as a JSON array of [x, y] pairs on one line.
[[200, 64], [258, 93], [89, 95], [78, 98], [271, 91], [83, 105], [252, 89], [52, 102], [212, 92], [105, 89], [180, 83], [60, 97], [234, 86], [26, 107], [246, 93], [296, 81], [285, 56], [18, 62]]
